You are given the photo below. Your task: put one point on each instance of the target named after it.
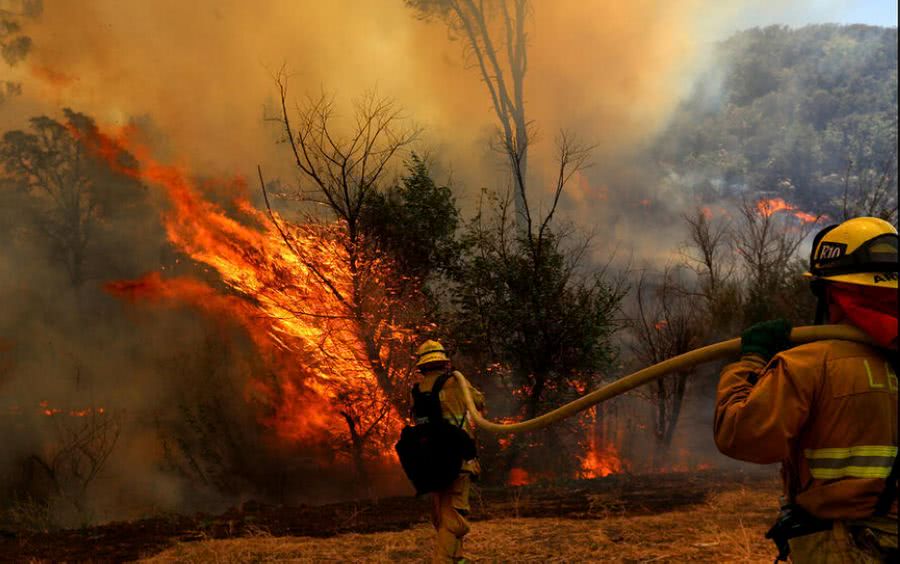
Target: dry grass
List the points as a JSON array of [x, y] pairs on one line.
[[728, 528]]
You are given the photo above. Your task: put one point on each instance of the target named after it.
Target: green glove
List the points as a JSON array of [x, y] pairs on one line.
[[767, 338]]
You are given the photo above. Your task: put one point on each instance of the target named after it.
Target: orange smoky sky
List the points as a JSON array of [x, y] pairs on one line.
[[201, 72]]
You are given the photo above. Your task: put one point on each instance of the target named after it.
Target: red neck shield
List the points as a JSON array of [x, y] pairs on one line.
[[874, 310]]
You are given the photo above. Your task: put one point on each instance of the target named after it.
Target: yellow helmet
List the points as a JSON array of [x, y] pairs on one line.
[[431, 351], [860, 251]]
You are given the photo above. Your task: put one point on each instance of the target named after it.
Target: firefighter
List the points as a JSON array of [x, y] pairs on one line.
[[826, 410], [449, 507]]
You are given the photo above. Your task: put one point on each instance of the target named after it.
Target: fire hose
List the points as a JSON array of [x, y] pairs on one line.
[[670, 366]]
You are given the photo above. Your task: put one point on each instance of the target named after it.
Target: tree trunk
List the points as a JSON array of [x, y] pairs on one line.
[[357, 452]]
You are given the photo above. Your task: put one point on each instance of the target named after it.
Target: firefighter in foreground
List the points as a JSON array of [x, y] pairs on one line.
[[440, 453], [826, 410]]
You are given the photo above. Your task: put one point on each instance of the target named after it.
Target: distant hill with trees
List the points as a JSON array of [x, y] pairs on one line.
[[808, 114]]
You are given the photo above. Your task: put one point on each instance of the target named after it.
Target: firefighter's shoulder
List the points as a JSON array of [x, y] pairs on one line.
[[825, 351], [818, 359], [454, 383]]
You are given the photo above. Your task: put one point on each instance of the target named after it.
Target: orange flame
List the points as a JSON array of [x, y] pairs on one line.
[[53, 77], [286, 287], [45, 409], [601, 462], [519, 477], [769, 206]]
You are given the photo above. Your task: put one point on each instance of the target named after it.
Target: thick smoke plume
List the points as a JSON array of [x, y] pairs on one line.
[[202, 72]]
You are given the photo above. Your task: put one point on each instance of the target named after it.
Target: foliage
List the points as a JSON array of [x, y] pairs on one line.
[[15, 44], [67, 192], [667, 323], [415, 223], [525, 315]]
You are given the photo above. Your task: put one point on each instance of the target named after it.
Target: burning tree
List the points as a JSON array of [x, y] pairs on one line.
[[529, 313], [291, 287], [767, 243], [345, 173], [393, 239], [524, 309]]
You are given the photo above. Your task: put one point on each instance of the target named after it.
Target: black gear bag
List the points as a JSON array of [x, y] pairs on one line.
[[433, 450]]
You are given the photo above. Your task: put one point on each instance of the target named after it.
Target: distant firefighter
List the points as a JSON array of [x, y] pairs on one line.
[[438, 452], [826, 410]]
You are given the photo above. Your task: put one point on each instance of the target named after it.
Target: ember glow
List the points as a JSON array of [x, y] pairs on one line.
[[519, 477], [51, 411], [45, 408], [286, 285]]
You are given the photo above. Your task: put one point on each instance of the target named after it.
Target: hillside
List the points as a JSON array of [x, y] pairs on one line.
[[803, 113]]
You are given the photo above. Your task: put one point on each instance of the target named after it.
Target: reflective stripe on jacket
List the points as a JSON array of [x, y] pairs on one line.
[[826, 410]]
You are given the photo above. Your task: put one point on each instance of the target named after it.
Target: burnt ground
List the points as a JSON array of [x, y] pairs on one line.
[[618, 495]]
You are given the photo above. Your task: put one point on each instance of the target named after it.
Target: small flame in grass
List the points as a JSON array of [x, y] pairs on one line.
[[44, 408], [601, 462], [684, 461]]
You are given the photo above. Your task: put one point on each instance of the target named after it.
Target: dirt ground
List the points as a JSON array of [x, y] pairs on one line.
[[703, 516]]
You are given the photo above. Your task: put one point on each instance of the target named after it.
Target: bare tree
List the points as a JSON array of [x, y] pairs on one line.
[[490, 44], [709, 253], [344, 171], [364, 410], [767, 243], [871, 191], [77, 456], [7, 362], [667, 324]]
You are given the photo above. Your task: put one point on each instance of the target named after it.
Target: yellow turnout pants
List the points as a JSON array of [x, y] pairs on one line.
[[449, 508]]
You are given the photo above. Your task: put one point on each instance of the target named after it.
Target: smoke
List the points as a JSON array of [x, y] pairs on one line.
[[199, 77], [203, 71]]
